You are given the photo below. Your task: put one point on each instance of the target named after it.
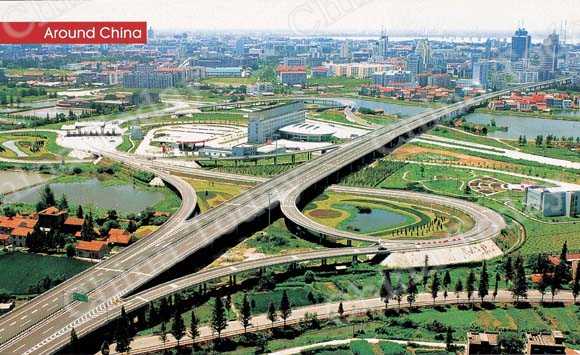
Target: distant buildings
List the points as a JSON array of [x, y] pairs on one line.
[[320, 72], [357, 70], [263, 124], [550, 50], [291, 75], [391, 77], [225, 72], [553, 201], [521, 44], [383, 46], [148, 78]]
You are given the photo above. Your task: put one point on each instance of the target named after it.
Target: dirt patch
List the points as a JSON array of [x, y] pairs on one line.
[[324, 213]]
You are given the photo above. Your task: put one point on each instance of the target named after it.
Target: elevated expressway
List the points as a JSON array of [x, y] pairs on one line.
[[33, 328]]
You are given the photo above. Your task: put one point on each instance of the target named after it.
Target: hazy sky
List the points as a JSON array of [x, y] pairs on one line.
[[307, 16]]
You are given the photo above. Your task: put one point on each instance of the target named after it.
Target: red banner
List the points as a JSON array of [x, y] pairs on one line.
[[73, 32]]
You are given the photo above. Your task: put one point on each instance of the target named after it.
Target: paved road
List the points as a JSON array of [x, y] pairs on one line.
[[100, 279], [488, 223], [49, 332], [145, 344]]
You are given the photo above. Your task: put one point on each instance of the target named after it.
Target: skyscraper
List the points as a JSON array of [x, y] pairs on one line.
[[383, 44], [345, 50], [521, 44], [549, 54], [423, 50]]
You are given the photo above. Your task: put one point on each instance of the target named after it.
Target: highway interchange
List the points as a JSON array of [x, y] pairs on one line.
[[44, 324]]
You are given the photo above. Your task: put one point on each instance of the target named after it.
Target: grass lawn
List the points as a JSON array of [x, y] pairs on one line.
[[543, 235], [339, 84], [230, 81], [211, 194], [331, 115], [48, 150], [21, 272]]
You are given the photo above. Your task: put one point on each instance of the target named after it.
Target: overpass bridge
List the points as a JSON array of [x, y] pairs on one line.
[[41, 331]]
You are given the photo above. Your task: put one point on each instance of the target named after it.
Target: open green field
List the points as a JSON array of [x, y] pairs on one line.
[[337, 84], [542, 234], [211, 194], [38, 145], [530, 147], [22, 273], [330, 115], [230, 81]]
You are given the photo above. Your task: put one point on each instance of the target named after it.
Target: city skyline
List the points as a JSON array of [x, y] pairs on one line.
[[414, 17]]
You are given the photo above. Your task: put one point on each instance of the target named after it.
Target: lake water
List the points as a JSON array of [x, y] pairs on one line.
[[526, 126], [388, 108], [15, 180], [377, 220], [123, 198]]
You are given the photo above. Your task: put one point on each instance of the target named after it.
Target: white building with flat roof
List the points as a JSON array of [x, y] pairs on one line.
[[264, 123]]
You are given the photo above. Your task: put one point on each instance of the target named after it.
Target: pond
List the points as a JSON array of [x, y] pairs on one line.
[[15, 180], [526, 126], [371, 220], [123, 198], [388, 108]]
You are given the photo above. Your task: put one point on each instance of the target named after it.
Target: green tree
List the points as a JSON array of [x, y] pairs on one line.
[[411, 291], [508, 270], [446, 282], [435, 284], [520, 287], [386, 292], [9, 211], [272, 314], [177, 326], [80, 213], [543, 285], [399, 290], [62, 204], [46, 199], [562, 271], [470, 285], [483, 289], [340, 310], [449, 340], [458, 288], [163, 333], [218, 319], [88, 228], [193, 325], [285, 307], [70, 250], [576, 283], [245, 315], [496, 285]]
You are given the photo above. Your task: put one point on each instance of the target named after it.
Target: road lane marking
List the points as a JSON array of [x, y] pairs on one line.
[[36, 310]]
